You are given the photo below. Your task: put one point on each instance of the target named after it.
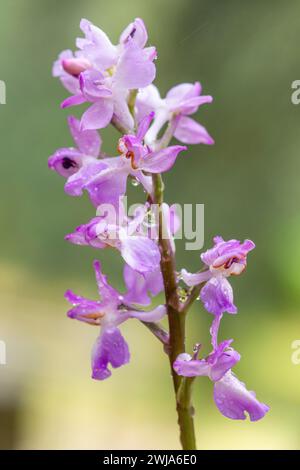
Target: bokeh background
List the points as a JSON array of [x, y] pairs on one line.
[[246, 55]]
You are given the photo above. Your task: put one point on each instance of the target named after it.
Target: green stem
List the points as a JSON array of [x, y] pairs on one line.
[[131, 101], [176, 320]]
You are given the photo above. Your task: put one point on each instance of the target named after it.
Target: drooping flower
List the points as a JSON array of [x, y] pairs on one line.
[[109, 312], [230, 395], [226, 258], [103, 74], [123, 233], [180, 102]]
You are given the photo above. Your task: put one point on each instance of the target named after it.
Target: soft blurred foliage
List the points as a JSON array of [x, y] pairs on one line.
[[246, 55]]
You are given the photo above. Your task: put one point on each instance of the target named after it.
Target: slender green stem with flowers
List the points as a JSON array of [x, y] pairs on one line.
[[116, 80], [176, 320]]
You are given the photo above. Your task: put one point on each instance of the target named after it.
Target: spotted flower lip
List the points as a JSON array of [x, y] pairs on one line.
[[230, 256], [226, 258], [68, 161], [109, 312]]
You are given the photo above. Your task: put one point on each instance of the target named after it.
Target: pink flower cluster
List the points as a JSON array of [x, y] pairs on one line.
[[116, 81]]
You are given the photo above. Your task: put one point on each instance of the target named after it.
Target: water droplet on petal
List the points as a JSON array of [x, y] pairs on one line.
[[182, 294]]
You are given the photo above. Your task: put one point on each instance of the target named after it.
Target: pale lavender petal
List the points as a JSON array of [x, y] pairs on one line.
[[217, 296], [108, 185], [193, 279], [174, 220], [70, 82], [185, 366], [110, 348], [106, 292], [134, 69], [92, 85], [98, 115], [189, 131], [162, 160], [121, 110], [148, 99], [96, 46], [233, 399], [90, 232], [154, 315], [73, 298], [140, 253], [76, 182], [221, 360], [57, 69], [224, 363], [191, 105], [73, 101], [135, 31], [145, 180], [144, 126], [78, 236], [184, 91], [88, 141], [139, 285], [137, 292]]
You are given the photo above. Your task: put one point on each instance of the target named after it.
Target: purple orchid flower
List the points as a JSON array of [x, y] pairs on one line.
[[105, 179], [226, 258], [230, 394], [135, 159], [138, 251], [180, 102], [213, 366], [108, 313], [103, 74]]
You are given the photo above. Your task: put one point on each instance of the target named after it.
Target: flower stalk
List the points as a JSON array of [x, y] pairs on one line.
[[116, 83], [176, 320]]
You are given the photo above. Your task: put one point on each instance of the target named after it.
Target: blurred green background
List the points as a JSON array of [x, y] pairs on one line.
[[246, 55]]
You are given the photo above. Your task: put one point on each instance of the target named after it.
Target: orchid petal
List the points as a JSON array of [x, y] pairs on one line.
[[162, 160], [110, 348], [233, 399]]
